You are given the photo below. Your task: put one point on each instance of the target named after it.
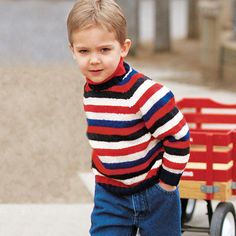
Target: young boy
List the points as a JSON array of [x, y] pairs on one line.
[[139, 138]]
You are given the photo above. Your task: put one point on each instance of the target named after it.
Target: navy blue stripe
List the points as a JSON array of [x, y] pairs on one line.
[[128, 78], [114, 124], [130, 164], [131, 175], [159, 104]]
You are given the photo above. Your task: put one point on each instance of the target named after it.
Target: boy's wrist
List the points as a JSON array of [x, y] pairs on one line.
[[166, 186]]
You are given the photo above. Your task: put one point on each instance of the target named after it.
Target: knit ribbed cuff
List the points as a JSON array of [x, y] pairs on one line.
[[169, 178]]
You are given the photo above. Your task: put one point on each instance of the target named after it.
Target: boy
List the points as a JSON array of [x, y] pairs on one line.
[[139, 138]]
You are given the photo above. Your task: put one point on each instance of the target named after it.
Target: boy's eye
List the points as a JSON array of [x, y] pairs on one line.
[[83, 51], [105, 50]]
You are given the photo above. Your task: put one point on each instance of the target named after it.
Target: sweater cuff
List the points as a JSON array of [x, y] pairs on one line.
[[169, 178]]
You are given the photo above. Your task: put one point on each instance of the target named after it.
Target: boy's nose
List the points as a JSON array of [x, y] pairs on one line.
[[94, 59]]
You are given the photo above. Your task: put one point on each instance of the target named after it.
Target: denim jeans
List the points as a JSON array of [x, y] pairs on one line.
[[154, 211]]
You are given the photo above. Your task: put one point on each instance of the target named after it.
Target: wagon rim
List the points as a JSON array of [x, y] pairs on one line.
[[228, 227]]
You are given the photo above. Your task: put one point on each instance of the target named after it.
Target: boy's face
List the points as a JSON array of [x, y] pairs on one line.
[[98, 52]]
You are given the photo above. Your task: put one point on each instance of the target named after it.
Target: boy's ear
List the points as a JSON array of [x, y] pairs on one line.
[[125, 47]]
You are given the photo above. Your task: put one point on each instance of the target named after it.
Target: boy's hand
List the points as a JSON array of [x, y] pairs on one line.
[[167, 187]]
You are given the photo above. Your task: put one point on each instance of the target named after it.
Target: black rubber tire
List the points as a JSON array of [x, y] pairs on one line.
[[219, 216], [187, 213]]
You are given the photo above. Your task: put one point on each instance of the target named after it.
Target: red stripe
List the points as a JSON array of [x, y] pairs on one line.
[[160, 113], [120, 70], [134, 169], [105, 180], [174, 130], [116, 109], [126, 87], [115, 131], [108, 109], [108, 181], [178, 145], [174, 165], [87, 88], [145, 97], [152, 172]]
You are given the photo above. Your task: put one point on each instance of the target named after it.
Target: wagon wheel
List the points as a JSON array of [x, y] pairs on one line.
[[190, 209], [223, 220], [188, 206]]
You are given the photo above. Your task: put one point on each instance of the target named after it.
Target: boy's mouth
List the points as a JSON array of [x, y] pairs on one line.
[[97, 70]]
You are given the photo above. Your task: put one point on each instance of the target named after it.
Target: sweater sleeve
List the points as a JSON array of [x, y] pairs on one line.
[[167, 124]]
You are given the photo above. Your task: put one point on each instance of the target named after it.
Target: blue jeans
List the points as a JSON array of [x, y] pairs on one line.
[[154, 211]]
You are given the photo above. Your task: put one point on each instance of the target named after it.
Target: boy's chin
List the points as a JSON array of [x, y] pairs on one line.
[[97, 80]]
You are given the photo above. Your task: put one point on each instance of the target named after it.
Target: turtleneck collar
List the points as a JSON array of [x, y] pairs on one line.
[[120, 71]]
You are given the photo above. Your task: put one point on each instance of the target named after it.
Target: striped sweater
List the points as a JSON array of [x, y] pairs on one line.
[[137, 134]]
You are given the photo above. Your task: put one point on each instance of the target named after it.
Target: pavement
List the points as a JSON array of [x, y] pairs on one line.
[[38, 42], [73, 219], [68, 219], [199, 219]]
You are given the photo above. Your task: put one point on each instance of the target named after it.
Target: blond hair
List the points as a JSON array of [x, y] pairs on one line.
[[105, 13]]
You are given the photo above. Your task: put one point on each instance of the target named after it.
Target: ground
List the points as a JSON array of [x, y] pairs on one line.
[[44, 123]]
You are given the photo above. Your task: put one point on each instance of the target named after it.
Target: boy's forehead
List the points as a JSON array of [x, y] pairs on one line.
[[96, 28], [98, 35], [83, 45]]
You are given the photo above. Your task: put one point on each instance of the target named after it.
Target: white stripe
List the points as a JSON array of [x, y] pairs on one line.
[[174, 171], [120, 102], [169, 125], [130, 70], [121, 144], [142, 177], [131, 157], [135, 179], [157, 164], [153, 99], [182, 132], [176, 159], [113, 116], [90, 101], [140, 91], [105, 102]]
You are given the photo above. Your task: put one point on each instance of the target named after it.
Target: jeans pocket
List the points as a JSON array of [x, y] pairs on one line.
[[172, 192]]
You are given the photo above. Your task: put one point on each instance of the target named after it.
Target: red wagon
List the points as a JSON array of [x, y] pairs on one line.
[[211, 171]]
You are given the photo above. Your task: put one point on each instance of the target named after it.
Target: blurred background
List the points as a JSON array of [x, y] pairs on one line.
[[189, 45]]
